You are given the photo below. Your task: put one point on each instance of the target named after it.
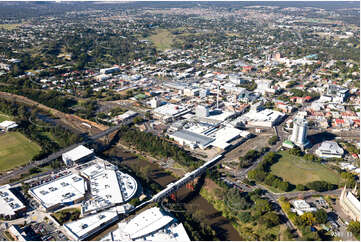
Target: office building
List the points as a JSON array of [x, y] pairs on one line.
[[299, 132]]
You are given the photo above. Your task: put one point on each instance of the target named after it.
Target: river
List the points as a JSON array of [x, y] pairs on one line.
[[194, 203]]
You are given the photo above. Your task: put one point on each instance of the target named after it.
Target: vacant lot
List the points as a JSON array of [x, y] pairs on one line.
[[296, 170], [15, 150], [162, 40]]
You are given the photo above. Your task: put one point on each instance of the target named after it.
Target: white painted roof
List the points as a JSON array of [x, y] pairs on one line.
[[107, 185], [9, 203], [84, 226], [150, 225], [330, 147], [78, 153], [62, 190], [8, 124], [169, 109]]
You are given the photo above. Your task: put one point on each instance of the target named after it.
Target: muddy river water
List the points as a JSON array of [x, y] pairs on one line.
[[212, 217]]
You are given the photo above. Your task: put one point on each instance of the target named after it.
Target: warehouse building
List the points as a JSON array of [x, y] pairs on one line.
[[191, 139]]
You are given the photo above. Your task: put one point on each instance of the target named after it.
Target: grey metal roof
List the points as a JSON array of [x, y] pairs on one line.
[[193, 137]]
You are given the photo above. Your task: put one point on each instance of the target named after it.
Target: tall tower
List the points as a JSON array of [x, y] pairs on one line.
[[217, 95], [299, 132]]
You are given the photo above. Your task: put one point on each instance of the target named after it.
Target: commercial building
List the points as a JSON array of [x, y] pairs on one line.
[[150, 225], [124, 118], [301, 207], [155, 102], [338, 93], [237, 79], [10, 206], [64, 191], [191, 139], [79, 154], [299, 132], [202, 111], [329, 149], [108, 186], [7, 125], [288, 144], [264, 118], [350, 204], [17, 233], [85, 227], [109, 70], [216, 117], [225, 135], [170, 111]]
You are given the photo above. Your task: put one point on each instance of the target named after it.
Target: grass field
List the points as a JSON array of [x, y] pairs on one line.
[[299, 171], [162, 40], [66, 215], [4, 117], [9, 26], [16, 150]]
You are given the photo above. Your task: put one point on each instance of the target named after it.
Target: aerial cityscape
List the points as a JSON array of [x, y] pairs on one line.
[[180, 121]]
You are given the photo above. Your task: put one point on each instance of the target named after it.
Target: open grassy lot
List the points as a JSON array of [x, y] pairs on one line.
[[162, 40], [296, 170], [15, 150], [66, 215], [9, 26], [4, 117]]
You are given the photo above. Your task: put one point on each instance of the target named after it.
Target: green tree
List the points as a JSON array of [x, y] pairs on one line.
[[273, 140], [354, 228], [320, 216]]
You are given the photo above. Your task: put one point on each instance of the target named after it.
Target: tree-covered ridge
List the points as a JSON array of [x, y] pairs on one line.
[[37, 133]]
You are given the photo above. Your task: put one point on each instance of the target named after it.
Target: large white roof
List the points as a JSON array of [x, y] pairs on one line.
[[147, 222], [9, 203], [330, 147], [108, 186], [79, 229], [8, 124], [77, 153], [169, 109], [150, 225], [62, 190]]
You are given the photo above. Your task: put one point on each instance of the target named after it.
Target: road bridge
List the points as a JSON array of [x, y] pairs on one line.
[[173, 187]]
